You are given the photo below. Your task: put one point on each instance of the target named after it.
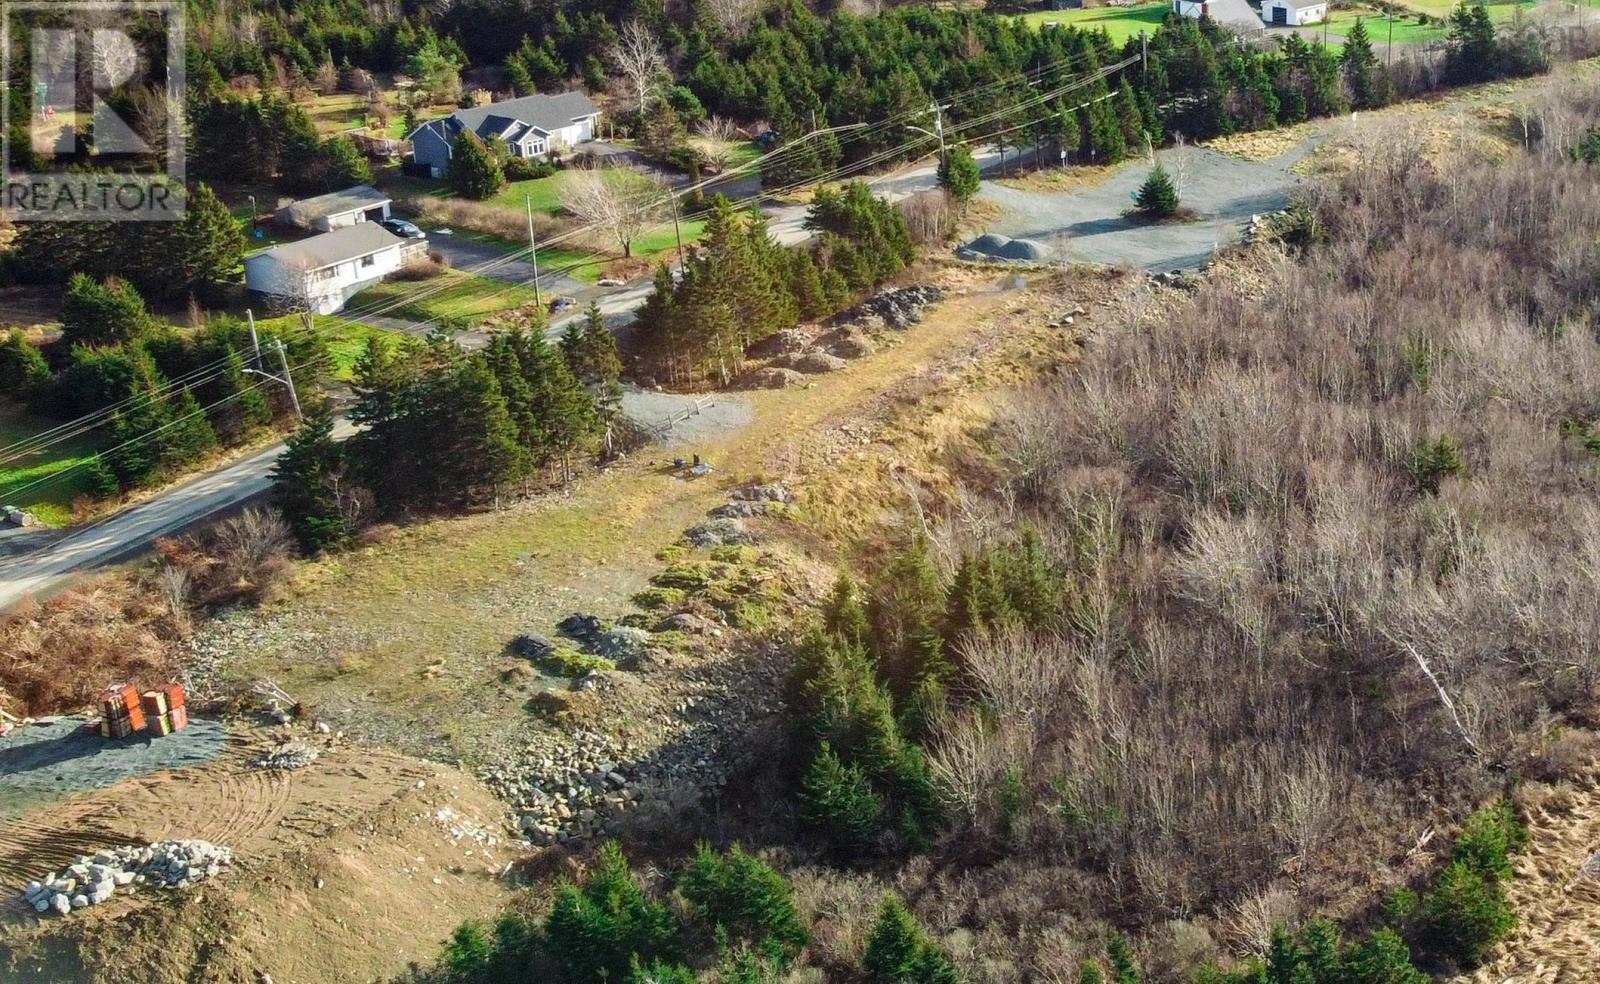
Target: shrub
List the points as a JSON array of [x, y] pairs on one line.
[[1434, 461], [420, 269], [527, 169], [568, 662], [1487, 840], [899, 951]]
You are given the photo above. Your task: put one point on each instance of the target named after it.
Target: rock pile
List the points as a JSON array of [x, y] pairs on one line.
[[897, 307], [291, 755], [753, 500], [94, 878], [813, 363], [718, 533]]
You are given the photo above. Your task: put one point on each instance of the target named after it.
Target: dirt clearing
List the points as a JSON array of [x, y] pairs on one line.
[[345, 869]]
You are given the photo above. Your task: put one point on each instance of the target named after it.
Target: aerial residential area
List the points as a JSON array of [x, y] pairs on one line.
[[745, 491]]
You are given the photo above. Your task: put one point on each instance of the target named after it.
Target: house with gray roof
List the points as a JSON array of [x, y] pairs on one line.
[[531, 126], [337, 209], [323, 272], [1236, 15]]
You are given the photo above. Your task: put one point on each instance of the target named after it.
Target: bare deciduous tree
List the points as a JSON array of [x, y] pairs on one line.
[[618, 205], [639, 58], [735, 16]]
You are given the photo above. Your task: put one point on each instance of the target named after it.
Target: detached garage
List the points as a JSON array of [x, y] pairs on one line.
[[1289, 13]]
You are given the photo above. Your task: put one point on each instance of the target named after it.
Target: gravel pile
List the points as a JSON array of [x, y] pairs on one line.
[[293, 755], [94, 878], [897, 307]]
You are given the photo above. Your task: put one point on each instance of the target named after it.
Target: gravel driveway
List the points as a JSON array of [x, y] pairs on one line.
[[1087, 224]]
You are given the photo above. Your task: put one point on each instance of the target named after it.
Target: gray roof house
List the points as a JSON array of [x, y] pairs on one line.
[[531, 126], [323, 272], [337, 209]]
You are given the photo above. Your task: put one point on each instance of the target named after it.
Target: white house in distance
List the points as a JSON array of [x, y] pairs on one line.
[[337, 209], [323, 272], [531, 126], [1293, 13], [1234, 14]]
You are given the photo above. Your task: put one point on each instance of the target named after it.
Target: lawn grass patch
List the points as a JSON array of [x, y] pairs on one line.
[[51, 500], [1121, 23], [452, 296]]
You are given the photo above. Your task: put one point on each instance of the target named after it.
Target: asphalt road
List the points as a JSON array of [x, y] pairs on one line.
[[47, 568]]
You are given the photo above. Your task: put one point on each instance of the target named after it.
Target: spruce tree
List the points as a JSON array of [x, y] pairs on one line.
[[958, 173], [597, 932], [23, 369], [208, 245], [190, 435], [100, 480], [838, 801], [1123, 968], [742, 898], [894, 943], [1361, 70], [102, 314], [474, 172], [306, 481], [1090, 973], [805, 283], [1158, 196]]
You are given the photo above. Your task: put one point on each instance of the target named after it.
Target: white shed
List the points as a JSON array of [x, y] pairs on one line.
[[337, 209], [323, 272], [1293, 13]]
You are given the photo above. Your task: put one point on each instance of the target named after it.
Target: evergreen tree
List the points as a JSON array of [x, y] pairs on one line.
[[596, 933], [306, 484], [100, 480], [805, 283], [893, 944], [23, 369], [102, 314], [1362, 75], [1123, 968], [208, 245], [958, 173], [907, 613], [1473, 49], [1158, 196], [1090, 973], [474, 171], [837, 800], [343, 164], [743, 898], [190, 435]]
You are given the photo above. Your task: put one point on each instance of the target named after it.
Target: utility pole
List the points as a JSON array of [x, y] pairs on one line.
[[255, 343], [1144, 52], [677, 231], [533, 249], [287, 379], [1391, 38]]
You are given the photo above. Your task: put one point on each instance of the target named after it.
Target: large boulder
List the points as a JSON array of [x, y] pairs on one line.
[[769, 492], [776, 377], [531, 646], [816, 362], [718, 533]]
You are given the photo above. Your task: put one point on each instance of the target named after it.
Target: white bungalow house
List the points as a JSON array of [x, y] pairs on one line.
[[1237, 15], [1293, 13], [337, 209], [531, 126], [323, 272]]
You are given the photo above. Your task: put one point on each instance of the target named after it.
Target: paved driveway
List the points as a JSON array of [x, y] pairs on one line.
[[470, 254]]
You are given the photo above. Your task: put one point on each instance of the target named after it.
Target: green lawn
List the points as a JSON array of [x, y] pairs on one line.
[[345, 339], [1501, 11], [1121, 23], [50, 501], [1406, 29], [461, 297]]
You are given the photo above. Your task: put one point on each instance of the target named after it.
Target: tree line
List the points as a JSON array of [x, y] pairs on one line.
[[739, 286], [114, 353], [440, 428]]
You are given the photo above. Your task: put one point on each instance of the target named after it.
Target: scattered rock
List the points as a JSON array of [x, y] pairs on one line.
[[774, 377], [739, 510], [816, 362], [770, 492], [291, 755], [92, 879], [718, 533], [784, 342], [581, 627], [897, 307], [849, 342], [686, 622], [622, 643], [530, 646]]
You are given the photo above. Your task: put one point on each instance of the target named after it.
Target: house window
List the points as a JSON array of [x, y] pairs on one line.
[[367, 261]]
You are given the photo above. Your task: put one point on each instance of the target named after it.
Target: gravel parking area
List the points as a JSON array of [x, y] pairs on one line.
[[1088, 224], [682, 417]]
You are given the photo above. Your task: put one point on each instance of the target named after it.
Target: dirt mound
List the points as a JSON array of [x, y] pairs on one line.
[[345, 870]]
